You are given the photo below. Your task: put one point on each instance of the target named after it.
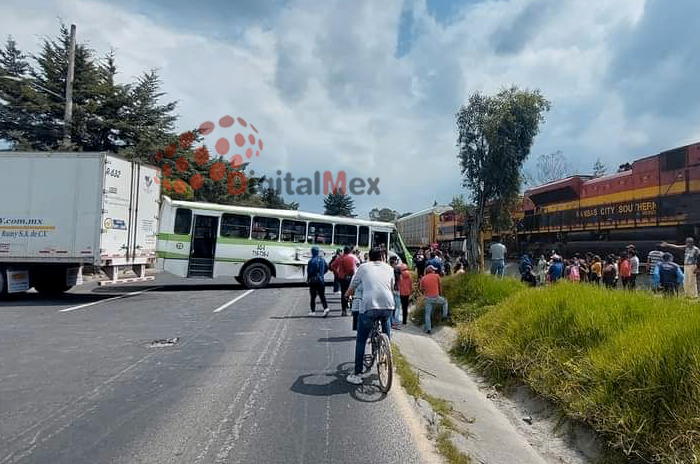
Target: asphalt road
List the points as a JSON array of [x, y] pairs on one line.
[[255, 381]]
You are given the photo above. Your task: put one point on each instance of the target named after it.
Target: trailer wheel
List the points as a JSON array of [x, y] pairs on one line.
[[46, 285], [256, 275]]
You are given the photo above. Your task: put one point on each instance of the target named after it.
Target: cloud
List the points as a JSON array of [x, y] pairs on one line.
[[372, 87]]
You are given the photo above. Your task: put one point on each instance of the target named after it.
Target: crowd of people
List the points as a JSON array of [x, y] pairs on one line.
[[613, 270], [373, 289]]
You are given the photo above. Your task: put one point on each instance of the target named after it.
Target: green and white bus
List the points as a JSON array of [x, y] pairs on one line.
[[253, 245]]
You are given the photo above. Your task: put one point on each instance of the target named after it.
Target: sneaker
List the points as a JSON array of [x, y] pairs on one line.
[[428, 332], [354, 379], [395, 327], [326, 311], [337, 293], [312, 313], [344, 313]]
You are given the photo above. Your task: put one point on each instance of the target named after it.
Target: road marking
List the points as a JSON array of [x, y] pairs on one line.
[[74, 308], [239, 297]]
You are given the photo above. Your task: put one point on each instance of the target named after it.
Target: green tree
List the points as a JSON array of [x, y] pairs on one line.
[[272, 199], [14, 118], [495, 135], [384, 214], [339, 204], [148, 121], [12, 61], [599, 169]]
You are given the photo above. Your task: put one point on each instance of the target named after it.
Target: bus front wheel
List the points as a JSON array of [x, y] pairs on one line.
[[256, 275]]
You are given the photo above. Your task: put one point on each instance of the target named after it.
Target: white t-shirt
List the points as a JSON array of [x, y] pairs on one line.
[[634, 265], [377, 280], [498, 251]]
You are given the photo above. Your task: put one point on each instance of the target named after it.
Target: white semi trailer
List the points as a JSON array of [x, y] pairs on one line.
[[61, 211]]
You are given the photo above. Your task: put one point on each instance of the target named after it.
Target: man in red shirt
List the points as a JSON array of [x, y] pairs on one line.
[[431, 287], [344, 267]]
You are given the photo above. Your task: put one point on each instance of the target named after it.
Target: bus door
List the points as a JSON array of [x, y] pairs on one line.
[[201, 263]]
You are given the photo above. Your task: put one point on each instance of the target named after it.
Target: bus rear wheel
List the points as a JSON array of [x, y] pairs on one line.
[[256, 275]]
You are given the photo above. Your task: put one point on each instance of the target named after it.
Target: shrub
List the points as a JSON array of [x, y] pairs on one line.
[[628, 363]]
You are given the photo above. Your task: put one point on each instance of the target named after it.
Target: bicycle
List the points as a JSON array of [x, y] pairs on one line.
[[381, 355]]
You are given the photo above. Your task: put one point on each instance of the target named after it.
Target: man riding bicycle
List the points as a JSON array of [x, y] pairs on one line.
[[377, 280]]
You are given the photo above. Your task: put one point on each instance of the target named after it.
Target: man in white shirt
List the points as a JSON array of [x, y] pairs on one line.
[[634, 267], [377, 280], [498, 257]]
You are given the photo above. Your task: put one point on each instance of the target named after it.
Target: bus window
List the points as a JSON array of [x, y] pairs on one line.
[[183, 221], [364, 237], [379, 239], [293, 231], [320, 233], [235, 225], [265, 228], [345, 235]]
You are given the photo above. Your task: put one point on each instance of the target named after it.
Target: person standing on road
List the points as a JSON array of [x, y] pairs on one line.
[[435, 262], [394, 262], [498, 257], [556, 270], [419, 261], [690, 265], [405, 290], [609, 273], [542, 270], [667, 275], [625, 271], [596, 270], [653, 259], [377, 280], [431, 286], [634, 268], [315, 271], [345, 267], [336, 283]]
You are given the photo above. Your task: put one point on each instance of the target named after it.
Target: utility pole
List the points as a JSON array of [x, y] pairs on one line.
[[68, 115]]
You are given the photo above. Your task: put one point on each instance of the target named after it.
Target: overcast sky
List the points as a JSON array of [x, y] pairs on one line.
[[371, 87]]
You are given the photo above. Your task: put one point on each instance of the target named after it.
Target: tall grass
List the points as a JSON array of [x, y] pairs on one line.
[[627, 363]]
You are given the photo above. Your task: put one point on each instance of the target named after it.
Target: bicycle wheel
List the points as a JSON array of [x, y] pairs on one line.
[[384, 363]]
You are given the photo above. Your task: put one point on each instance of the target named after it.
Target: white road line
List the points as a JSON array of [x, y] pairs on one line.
[[74, 308], [239, 297]]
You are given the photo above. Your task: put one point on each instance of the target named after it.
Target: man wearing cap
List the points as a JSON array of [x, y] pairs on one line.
[[690, 265]]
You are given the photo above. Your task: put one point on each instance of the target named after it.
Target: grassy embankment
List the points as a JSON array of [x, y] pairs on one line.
[[626, 363]]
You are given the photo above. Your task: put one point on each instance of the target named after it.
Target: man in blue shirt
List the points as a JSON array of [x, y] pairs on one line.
[[436, 262], [315, 271], [668, 275], [556, 270]]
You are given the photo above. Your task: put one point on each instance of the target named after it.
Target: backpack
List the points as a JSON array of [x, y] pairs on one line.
[[574, 274]]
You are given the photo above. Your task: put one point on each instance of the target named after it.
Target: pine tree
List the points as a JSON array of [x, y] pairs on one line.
[[148, 121], [599, 169], [14, 118], [12, 61], [339, 204]]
